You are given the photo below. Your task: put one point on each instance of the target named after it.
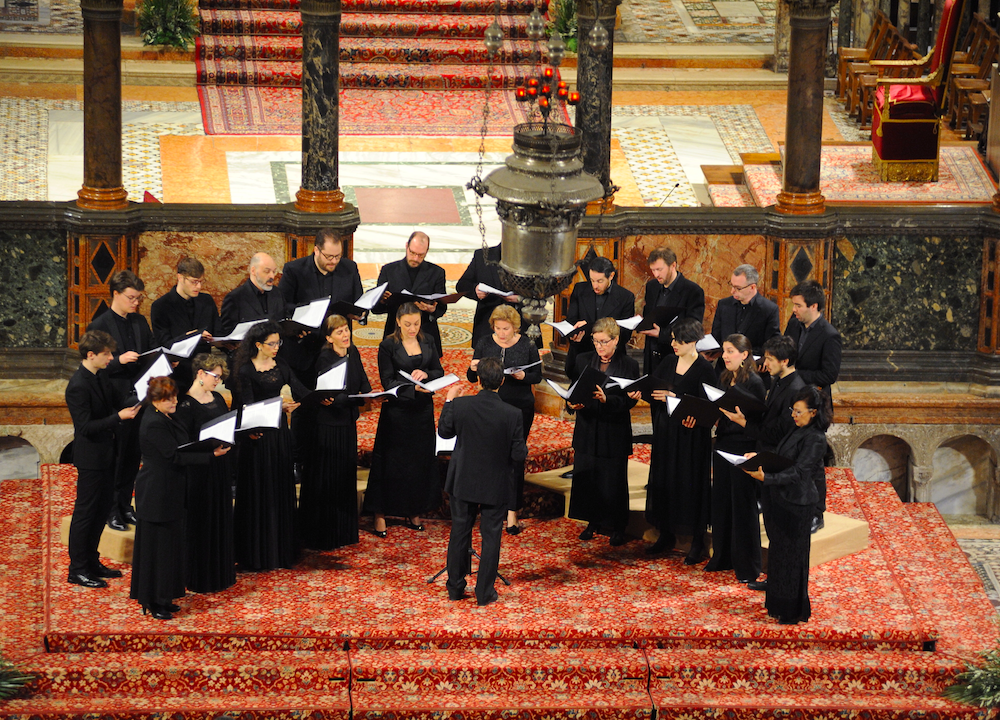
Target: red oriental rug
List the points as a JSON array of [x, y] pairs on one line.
[[585, 630], [236, 110]]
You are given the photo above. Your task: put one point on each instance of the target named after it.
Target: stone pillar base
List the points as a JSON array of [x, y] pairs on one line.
[[601, 206], [319, 201], [792, 203], [90, 198]]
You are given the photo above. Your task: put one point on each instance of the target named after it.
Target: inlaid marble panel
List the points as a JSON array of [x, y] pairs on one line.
[[707, 259], [33, 276], [226, 257], [907, 293]]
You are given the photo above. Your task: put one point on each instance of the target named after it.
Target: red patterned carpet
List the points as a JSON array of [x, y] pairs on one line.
[[585, 629]]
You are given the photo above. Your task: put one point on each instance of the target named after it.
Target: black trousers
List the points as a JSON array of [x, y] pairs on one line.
[[127, 458], [463, 517], [94, 490]]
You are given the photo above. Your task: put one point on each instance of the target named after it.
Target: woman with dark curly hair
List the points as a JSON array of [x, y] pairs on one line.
[[264, 513]]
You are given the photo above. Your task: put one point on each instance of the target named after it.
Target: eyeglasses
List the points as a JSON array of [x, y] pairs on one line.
[[603, 343], [132, 298], [796, 413], [330, 257], [740, 288], [273, 343], [217, 377], [195, 281]]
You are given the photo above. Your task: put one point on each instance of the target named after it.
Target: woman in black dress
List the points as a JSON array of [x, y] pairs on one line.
[[602, 439], [678, 496], [514, 350], [210, 563], [264, 512], [160, 488], [404, 480], [735, 527], [328, 499], [787, 499]]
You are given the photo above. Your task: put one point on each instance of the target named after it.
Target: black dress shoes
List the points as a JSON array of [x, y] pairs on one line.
[[86, 580], [413, 526], [130, 518], [759, 585], [455, 597], [588, 532], [568, 475], [817, 524], [617, 539], [172, 607], [490, 600], [513, 529], [102, 571], [158, 612], [665, 543], [116, 523]]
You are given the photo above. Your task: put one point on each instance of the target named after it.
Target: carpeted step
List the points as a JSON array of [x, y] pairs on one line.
[[774, 670], [269, 706], [381, 76], [609, 682], [415, 25], [200, 674], [288, 48], [455, 7]]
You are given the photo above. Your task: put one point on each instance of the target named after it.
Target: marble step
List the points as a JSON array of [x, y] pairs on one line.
[[286, 48]]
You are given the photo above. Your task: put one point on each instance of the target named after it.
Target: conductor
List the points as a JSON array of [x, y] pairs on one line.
[[489, 448]]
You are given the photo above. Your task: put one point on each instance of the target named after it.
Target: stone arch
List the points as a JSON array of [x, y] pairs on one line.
[[18, 458], [885, 457], [964, 477]]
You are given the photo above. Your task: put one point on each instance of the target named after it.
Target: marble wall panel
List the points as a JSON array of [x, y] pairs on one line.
[[907, 293], [707, 259], [33, 277], [226, 257]]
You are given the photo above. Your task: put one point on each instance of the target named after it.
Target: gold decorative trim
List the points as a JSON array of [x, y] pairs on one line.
[[905, 170]]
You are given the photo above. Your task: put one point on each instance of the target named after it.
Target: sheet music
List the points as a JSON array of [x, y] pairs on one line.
[[222, 428], [631, 324], [430, 297], [731, 458], [564, 327], [483, 287], [512, 370], [311, 315], [392, 392], [707, 344], [263, 414], [159, 368], [713, 393], [442, 445], [333, 379], [672, 403], [239, 332], [369, 299], [625, 383], [432, 385]]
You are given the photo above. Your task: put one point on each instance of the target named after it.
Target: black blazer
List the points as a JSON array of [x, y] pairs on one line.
[[490, 447], [819, 352], [797, 485], [392, 356], [620, 305], [481, 272], [430, 279], [161, 484], [683, 293], [93, 405], [759, 323], [243, 305], [344, 410], [124, 376], [169, 316], [777, 421]]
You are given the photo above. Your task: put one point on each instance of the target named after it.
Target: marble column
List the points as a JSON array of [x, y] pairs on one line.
[[782, 31], [320, 191], [810, 24], [593, 80], [102, 106]]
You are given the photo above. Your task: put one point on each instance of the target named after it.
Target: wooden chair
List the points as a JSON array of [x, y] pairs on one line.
[[868, 83], [971, 77], [846, 55], [892, 43], [906, 118]]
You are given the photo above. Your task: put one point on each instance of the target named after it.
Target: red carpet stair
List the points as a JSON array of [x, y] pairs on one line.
[[407, 44]]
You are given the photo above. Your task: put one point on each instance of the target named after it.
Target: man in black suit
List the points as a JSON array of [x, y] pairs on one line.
[[93, 403], [183, 310], [746, 311], [819, 347], [484, 268], [668, 288], [596, 299], [489, 450], [325, 273], [132, 336], [420, 277], [255, 299]]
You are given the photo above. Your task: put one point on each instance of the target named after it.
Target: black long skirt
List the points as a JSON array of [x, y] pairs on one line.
[[404, 480], [788, 559], [328, 497], [211, 566], [264, 512], [735, 525], [679, 494], [527, 420], [600, 491], [158, 562]]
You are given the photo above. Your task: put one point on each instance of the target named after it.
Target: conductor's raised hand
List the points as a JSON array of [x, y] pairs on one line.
[[454, 391]]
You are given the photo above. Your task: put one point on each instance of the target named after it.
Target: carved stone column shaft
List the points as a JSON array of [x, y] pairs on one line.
[[594, 78], [320, 190], [102, 106]]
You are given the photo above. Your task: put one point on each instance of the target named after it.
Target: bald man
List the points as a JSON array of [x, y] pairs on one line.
[[255, 299]]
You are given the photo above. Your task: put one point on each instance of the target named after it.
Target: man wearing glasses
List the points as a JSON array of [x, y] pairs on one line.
[[746, 312], [415, 274], [132, 336]]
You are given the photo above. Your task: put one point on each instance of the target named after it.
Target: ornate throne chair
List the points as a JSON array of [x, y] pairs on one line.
[[907, 112]]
